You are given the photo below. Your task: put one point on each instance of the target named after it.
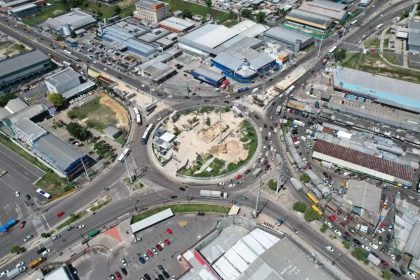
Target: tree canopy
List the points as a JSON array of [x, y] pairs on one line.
[[56, 99]]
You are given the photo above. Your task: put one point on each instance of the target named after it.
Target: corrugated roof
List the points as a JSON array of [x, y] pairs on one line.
[[364, 195], [18, 62], [412, 246], [65, 78], [148, 4], [209, 35], [149, 221], [76, 19], [209, 73], [323, 10], [309, 17], [57, 152], [286, 35], [30, 128], [15, 105], [178, 24], [328, 5], [365, 160], [28, 113], [414, 33]]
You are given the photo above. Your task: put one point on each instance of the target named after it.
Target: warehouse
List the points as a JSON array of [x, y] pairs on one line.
[[249, 28], [336, 11], [414, 36], [364, 163], [177, 25], [25, 10], [22, 67], [290, 39], [61, 156], [204, 40], [381, 89], [209, 76], [308, 19], [6, 6], [71, 21]]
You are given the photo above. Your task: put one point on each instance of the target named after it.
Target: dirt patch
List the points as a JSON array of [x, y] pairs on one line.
[[120, 112], [231, 151]]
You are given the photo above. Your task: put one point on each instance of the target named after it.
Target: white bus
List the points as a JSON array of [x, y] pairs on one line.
[[124, 154], [379, 26], [290, 89], [138, 115], [332, 50], [353, 22], [146, 134]]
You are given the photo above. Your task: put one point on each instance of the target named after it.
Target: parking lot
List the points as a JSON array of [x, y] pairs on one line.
[[183, 231]]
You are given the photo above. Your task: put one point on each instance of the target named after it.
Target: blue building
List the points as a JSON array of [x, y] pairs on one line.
[[208, 76]]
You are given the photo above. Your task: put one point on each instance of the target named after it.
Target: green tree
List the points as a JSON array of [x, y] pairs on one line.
[[78, 131], [117, 9], [45, 234], [311, 215], [56, 99], [340, 55], [272, 184], [4, 98], [299, 206], [359, 254], [209, 4], [346, 244], [59, 37], [246, 13], [17, 250], [305, 178], [386, 274], [260, 17], [187, 14], [324, 228]]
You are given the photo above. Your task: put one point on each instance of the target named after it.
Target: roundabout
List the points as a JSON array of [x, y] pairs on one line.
[[201, 143]]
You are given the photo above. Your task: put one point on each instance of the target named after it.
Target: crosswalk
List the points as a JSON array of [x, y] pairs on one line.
[[40, 228], [12, 156], [11, 182]]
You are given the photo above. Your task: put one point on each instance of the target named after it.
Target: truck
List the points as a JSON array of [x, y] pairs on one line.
[[373, 259], [298, 185], [14, 272], [36, 262], [278, 110], [257, 172], [215, 194], [298, 123], [8, 225]]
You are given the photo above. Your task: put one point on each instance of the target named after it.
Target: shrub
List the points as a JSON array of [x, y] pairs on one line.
[[299, 206]]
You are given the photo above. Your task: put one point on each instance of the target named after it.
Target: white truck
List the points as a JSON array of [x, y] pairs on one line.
[[298, 185], [14, 272], [215, 194], [374, 260]]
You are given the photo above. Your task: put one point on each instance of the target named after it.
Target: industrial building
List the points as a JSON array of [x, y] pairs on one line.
[[151, 10], [25, 10], [178, 25], [414, 36], [364, 199], [124, 35], [24, 66], [239, 249], [330, 9], [302, 19], [364, 163], [209, 76], [72, 21], [249, 28], [389, 91], [68, 83], [290, 39], [157, 69], [61, 273], [7, 5]]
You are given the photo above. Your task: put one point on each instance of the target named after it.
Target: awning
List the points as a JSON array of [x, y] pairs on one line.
[[234, 210]]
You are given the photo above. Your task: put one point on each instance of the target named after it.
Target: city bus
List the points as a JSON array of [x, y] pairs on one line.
[[138, 115], [36, 262], [146, 134], [312, 198], [124, 154], [316, 209], [93, 233]]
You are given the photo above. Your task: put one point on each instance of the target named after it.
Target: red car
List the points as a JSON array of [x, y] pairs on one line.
[[167, 242], [22, 224], [60, 214], [149, 253], [169, 231], [237, 177], [384, 263], [118, 275], [158, 247]]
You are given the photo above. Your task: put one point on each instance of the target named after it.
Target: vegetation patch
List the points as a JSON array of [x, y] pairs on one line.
[[190, 9], [183, 208], [73, 218], [100, 203], [311, 215], [299, 206], [272, 184], [304, 178], [359, 254]]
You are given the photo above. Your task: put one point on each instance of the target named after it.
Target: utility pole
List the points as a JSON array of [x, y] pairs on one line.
[[220, 126], [258, 198], [84, 167]]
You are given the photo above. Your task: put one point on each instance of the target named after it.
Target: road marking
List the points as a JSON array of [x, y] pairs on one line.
[[21, 161], [49, 228], [18, 211]]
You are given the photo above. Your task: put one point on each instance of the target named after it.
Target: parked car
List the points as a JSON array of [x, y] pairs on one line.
[[60, 214], [149, 253], [395, 272], [169, 231], [111, 277], [142, 260], [160, 267], [118, 275], [55, 237], [162, 244], [124, 270], [373, 245], [366, 248], [167, 242], [124, 262], [28, 237], [384, 263], [22, 224], [329, 248], [155, 251], [159, 247], [328, 224], [338, 233], [79, 227]]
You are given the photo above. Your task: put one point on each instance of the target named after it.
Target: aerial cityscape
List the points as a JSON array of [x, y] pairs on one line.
[[209, 139]]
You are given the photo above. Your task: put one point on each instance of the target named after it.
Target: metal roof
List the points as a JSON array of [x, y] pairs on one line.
[[412, 246], [64, 79], [215, 76], [28, 113], [286, 35], [62, 273], [364, 195], [414, 33], [325, 10], [76, 19], [309, 17], [57, 152], [18, 62], [6, 4], [15, 105], [86, 86], [23, 8], [382, 89], [365, 160], [148, 4], [150, 221], [330, 5], [31, 129], [177, 24]]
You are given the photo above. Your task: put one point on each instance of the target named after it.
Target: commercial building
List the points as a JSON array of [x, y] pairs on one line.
[[414, 36], [25, 10], [61, 273], [175, 24], [15, 105], [330, 9], [8, 5], [68, 83], [22, 67], [60, 155], [157, 69], [290, 39], [364, 163], [151, 10], [239, 249], [72, 21], [389, 91], [27, 131], [249, 28], [308, 22], [364, 199], [209, 76]]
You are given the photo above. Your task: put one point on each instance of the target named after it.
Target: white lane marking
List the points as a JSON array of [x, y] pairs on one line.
[[49, 228]]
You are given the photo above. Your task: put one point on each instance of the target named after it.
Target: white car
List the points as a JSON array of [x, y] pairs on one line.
[[155, 251], [338, 232], [79, 227], [412, 274], [162, 244], [20, 264], [3, 273], [381, 230], [27, 238], [124, 262], [17, 194], [329, 248], [46, 252], [22, 268], [365, 247], [373, 245], [328, 224]]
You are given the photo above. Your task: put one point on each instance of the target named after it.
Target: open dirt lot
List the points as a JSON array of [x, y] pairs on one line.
[[120, 112]]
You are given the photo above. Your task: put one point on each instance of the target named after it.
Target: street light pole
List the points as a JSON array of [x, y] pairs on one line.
[[128, 169], [258, 198]]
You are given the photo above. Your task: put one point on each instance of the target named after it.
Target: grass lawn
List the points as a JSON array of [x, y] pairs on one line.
[[230, 22], [50, 182], [390, 56], [183, 208], [369, 62], [375, 43], [216, 165], [272, 184], [98, 115], [197, 9]]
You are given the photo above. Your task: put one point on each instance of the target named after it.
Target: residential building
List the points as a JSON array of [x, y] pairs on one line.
[[151, 10]]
